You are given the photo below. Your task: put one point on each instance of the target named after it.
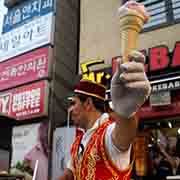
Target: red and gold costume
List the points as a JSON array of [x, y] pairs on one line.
[[95, 163]]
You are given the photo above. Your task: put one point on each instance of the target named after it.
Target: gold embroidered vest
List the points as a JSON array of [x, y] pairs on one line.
[[95, 164]]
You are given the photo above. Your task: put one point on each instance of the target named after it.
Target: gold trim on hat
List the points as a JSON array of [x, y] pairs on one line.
[[90, 94], [94, 82]]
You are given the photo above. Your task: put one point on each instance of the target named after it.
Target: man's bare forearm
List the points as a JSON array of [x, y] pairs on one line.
[[124, 131]]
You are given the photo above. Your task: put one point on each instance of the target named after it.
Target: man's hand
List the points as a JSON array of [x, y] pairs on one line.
[[130, 86], [68, 175]]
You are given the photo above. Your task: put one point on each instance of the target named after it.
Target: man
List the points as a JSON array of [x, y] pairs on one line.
[[104, 150]]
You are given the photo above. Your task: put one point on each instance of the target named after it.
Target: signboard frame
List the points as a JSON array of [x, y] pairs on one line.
[[26, 102], [26, 68], [35, 34], [25, 12]]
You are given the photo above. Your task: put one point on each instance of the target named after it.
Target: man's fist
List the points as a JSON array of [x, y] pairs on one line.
[[129, 85]]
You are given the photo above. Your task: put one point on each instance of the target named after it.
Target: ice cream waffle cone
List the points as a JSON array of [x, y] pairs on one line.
[[130, 26]]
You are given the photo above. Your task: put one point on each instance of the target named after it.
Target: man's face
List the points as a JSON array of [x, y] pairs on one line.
[[78, 111]]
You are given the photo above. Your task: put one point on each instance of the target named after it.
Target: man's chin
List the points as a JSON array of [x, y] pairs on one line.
[[75, 123]]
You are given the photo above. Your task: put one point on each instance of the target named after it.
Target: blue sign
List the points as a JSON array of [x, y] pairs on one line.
[[26, 11], [3, 11]]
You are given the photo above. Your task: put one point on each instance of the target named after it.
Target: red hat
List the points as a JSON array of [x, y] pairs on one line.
[[91, 88]]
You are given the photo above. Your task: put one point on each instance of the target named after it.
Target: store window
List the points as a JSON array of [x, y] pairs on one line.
[[163, 138], [163, 13]]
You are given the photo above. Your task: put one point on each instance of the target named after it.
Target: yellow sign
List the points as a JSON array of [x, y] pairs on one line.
[[90, 75]]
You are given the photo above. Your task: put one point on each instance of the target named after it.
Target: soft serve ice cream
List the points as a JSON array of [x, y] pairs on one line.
[[132, 17], [133, 7]]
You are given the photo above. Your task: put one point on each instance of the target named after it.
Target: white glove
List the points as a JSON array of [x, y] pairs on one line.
[[129, 85]]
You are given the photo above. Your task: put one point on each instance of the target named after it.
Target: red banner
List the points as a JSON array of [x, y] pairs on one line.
[[25, 102], [26, 68], [151, 112], [161, 62]]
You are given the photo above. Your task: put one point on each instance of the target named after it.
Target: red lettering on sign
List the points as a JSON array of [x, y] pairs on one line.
[[159, 61], [176, 55], [146, 64], [159, 58]]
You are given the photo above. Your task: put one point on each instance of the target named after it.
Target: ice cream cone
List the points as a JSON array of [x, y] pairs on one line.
[[130, 26]]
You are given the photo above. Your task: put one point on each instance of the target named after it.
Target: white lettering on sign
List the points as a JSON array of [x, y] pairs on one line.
[[5, 103], [166, 86], [26, 100], [27, 112], [35, 65]]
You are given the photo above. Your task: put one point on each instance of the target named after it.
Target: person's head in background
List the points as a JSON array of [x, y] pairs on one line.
[[43, 136]]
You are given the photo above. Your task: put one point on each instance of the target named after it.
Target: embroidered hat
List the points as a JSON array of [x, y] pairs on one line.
[[91, 88]]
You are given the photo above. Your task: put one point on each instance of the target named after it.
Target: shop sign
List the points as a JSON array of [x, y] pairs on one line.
[[166, 85], [32, 35], [160, 58], [161, 98], [160, 62], [26, 11], [95, 76], [150, 112], [26, 68], [25, 102]]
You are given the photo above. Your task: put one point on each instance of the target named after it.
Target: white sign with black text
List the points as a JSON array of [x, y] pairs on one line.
[[32, 35]]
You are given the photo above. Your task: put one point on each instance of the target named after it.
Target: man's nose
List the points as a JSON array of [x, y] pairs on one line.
[[70, 109]]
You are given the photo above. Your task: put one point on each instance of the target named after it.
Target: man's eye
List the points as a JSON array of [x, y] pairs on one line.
[[71, 103]]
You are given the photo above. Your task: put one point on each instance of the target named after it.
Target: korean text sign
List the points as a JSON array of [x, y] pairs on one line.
[[26, 68], [32, 35], [26, 11], [25, 102]]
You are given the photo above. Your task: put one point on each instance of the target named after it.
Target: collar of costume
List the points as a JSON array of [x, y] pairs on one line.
[[103, 118]]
